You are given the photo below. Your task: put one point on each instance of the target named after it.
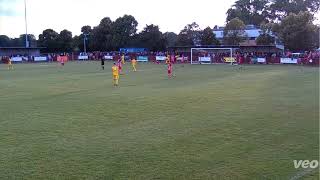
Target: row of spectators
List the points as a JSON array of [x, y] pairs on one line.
[[217, 57]]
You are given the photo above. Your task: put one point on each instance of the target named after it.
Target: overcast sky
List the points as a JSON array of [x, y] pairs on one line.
[[170, 15]]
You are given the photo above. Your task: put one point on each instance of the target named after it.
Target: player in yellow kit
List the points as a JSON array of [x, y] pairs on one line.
[[115, 73], [134, 64], [122, 59], [10, 66], [168, 59]]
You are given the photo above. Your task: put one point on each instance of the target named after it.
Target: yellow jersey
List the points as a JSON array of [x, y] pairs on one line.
[[122, 59], [134, 62], [115, 70], [167, 60]]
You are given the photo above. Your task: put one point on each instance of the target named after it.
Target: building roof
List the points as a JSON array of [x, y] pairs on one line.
[[251, 31], [247, 27]]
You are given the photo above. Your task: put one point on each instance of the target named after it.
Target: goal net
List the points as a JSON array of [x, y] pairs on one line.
[[212, 55]]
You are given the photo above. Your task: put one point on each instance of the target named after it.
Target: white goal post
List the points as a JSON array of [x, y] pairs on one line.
[[198, 57]]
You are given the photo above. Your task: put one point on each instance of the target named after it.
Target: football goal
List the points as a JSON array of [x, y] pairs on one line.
[[212, 55]]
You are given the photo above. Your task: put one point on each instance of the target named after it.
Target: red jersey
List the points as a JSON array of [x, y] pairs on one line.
[[169, 68], [172, 59], [119, 64]]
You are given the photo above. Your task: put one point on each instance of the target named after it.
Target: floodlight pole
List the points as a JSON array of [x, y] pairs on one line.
[[191, 56], [231, 55], [84, 43], [25, 18]]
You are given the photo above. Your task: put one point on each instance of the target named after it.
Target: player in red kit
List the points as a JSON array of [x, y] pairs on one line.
[[169, 67], [120, 66], [172, 59]]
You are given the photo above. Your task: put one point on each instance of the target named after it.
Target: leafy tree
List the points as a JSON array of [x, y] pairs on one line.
[[65, 41], [234, 32], [249, 11], [170, 38], [184, 40], [151, 37], [86, 29], [265, 39], [5, 41], [123, 29], [31, 39], [189, 36], [86, 33], [208, 37], [280, 9], [298, 32], [76, 44], [49, 39], [102, 35], [264, 11], [134, 41], [17, 42]]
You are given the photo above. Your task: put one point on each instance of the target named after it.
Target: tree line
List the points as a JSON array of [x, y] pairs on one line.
[[111, 35], [290, 20]]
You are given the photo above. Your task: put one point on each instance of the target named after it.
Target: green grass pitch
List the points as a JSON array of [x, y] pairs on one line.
[[209, 122]]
